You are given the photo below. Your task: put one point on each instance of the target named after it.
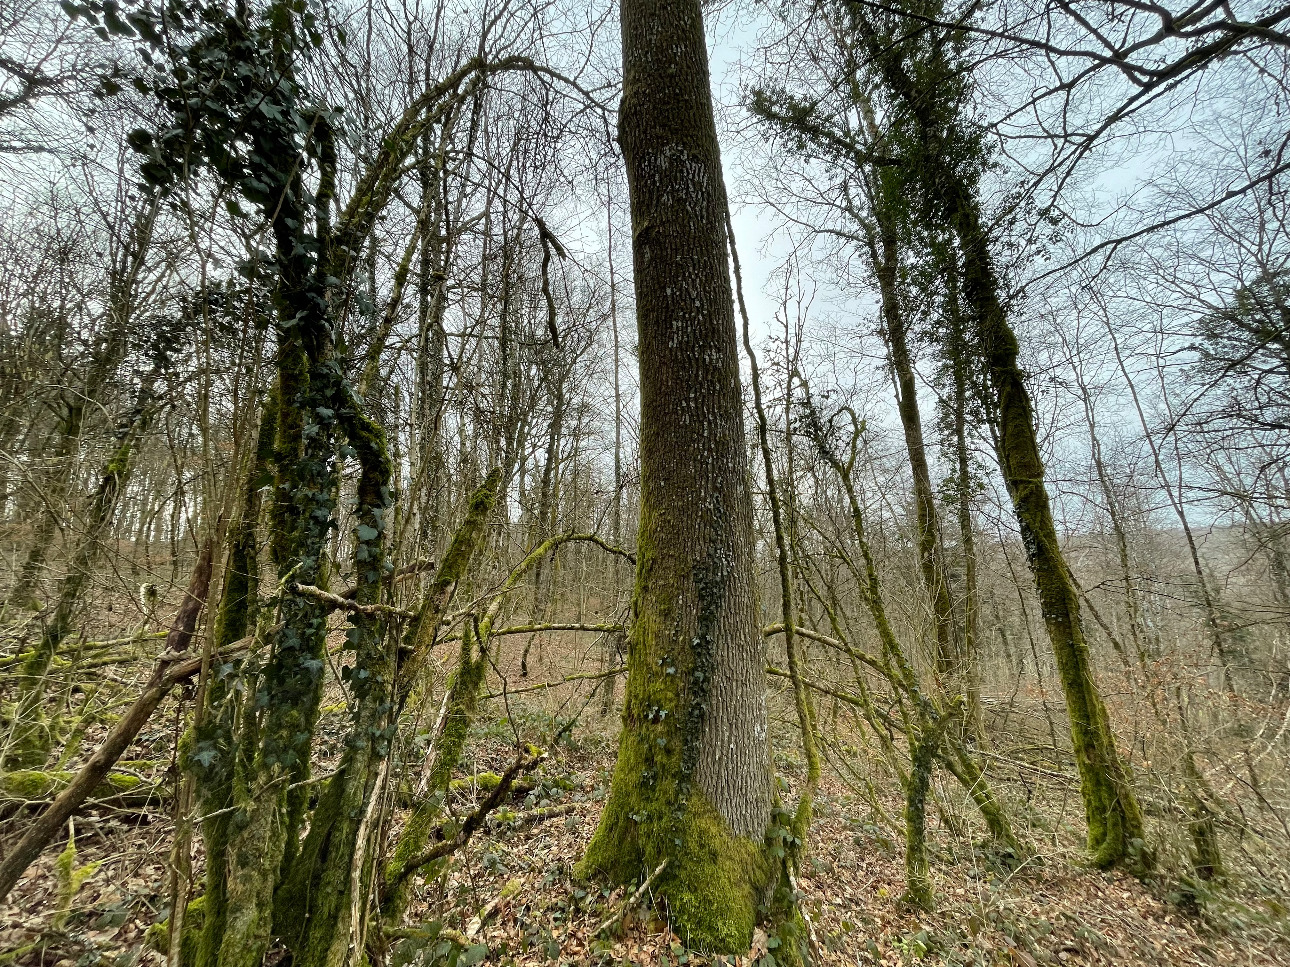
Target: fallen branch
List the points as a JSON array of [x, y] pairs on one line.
[[167, 674], [535, 816], [538, 628], [138, 799], [631, 901], [589, 677], [84, 648], [472, 823], [339, 602], [512, 888]]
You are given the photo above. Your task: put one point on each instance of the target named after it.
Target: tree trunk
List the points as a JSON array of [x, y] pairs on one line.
[[967, 532], [692, 784], [211, 756], [943, 180], [1110, 805]]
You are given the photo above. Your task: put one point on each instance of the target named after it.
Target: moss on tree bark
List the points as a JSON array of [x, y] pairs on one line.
[[692, 783]]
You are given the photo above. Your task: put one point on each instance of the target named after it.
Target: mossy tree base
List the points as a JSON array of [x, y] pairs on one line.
[[715, 883]]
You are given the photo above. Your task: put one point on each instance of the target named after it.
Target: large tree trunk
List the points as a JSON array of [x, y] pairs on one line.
[[692, 785]]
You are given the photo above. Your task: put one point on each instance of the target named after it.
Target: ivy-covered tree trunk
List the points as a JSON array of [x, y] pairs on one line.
[[322, 909], [692, 784], [263, 832]]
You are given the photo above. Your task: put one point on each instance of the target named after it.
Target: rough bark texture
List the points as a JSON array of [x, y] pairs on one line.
[[692, 782]]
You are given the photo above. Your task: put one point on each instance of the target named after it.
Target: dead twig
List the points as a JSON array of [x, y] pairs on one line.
[[631, 901]]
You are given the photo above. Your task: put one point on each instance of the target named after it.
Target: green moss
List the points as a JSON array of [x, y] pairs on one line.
[[714, 881], [157, 936], [39, 784], [68, 877], [423, 630], [120, 782], [786, 925], [483, 782], [26, 784], [291, 901], [32, 738]]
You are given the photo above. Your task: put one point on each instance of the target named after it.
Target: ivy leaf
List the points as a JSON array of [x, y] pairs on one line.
[[112, 20], [367, 533]]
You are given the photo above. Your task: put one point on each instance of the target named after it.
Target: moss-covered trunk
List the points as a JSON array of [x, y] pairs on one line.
[[692, 784], [459, 704], [211, 755], [54, 490], [262, 833], [922, 755], [940, 153], [925, 724], [1115, 827]]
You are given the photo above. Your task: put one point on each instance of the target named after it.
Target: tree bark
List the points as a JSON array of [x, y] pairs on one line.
[[692, 784], [884, 253]]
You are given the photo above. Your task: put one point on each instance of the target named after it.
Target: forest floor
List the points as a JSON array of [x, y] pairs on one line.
[[1052, 911]]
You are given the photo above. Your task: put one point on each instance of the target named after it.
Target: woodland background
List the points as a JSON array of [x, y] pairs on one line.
[[1131, 170]]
